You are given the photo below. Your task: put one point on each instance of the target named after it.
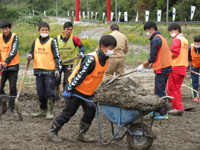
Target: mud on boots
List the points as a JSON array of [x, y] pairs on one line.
[[42, 108], [53, 135], [11, 104], [50, 104], [83, 128]]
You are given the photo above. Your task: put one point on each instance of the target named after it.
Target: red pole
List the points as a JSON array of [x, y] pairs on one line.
[[108, 10], [77, 9]]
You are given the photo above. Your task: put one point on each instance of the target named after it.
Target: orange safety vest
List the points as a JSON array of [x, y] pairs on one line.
[[5, 49], [195, 57], [182, 59], [164, 58], [43, 56], [91, 81]]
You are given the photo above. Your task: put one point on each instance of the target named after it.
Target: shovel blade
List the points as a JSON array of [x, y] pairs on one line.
[[189, 109], [17, 107]]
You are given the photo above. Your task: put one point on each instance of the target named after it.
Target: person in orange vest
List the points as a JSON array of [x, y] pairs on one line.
[[160, 60], [9, 63], [46, 65], [179, 54], [194, 59], [83, 82]]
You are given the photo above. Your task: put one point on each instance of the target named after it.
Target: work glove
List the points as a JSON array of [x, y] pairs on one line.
[[57, 74], [140, 67], [29, 56], [149, 66], [66, 94], [81, 55]]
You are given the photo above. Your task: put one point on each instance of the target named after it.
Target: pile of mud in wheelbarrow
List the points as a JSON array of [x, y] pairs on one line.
[[123, 102]]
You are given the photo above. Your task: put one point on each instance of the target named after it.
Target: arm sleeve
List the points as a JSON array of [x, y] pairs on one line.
[[156, 43], [13, 51], [189, 53], [126, 46], [176, 46], [32, 49], [87, 66], [56, 54], [78, 43]]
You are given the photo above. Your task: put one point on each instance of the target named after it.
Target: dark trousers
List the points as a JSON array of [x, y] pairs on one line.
[[194, 81], [71, 106], [160, 85], [12, 78], [45, 87], [67, 69]]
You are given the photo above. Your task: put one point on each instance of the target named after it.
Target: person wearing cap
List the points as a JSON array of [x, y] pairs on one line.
[[67, 43], [9, 62]]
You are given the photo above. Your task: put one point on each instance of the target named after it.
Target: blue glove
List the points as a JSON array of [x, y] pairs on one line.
[[66, 94], [81, 54]]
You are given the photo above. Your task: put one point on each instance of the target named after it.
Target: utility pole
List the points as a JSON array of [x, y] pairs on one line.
[[56, 8], [167, 10], [87, 5], [115, 10]]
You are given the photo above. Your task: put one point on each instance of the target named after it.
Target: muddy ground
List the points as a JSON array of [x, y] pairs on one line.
[[178, 132]]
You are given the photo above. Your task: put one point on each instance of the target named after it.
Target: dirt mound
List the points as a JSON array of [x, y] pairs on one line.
[[126, 93]]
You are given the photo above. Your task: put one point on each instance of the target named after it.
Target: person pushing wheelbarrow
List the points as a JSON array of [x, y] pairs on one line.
[[83, 82]]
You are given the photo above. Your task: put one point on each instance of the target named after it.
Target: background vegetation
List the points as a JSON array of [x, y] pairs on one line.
[[13, 9]]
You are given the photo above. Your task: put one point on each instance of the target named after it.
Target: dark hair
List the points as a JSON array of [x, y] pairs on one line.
[[174, 26], [150, 24], [5, 23], [197, 38], [67, 25], [43, 24], [114, 27], [107, 40]]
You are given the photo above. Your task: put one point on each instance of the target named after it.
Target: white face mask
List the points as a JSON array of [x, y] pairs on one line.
[[197, 46], [148, 33], [44, 35], [173, 34], [109, 53]]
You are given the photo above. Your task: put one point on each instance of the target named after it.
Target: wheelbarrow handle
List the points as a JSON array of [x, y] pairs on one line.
[[90, 101]]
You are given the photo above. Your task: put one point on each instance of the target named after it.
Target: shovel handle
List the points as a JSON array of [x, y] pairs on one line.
[[70, 59]]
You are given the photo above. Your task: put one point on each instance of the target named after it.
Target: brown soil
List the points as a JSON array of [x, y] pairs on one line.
[[178, 132]]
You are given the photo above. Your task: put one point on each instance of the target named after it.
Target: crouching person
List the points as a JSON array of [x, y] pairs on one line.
[[46, 67], [83, 82]]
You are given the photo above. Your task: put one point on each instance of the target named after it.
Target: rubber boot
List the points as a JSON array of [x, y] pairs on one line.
[[83, 128], [4, 105], [42, 112], [53, 134], [50, 109], [57, 92], [11, 104]]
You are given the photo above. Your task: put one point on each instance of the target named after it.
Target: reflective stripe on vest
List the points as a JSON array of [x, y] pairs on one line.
[[91, 81], [67, 50], [182, 59], [43, 56], [195, 57], [6, 48], [163, 58]]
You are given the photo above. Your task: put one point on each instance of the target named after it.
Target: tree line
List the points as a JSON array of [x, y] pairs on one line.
[[17, 8]]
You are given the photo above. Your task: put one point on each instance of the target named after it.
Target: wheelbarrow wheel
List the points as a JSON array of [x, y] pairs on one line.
[[140, 142]]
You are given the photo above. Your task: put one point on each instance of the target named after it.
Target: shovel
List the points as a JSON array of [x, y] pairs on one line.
[[70, 59], [119, 76], [16, 99], [190, 108]]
